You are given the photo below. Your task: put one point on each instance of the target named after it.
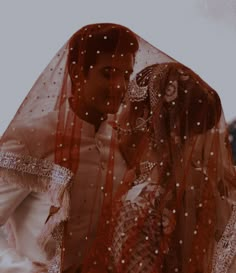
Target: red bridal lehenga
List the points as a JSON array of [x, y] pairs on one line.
[[159, 199]]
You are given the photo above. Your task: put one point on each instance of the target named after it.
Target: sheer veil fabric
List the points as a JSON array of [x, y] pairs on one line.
[[173, 209]]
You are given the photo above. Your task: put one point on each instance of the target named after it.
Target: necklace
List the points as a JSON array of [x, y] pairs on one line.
[[141, 125]]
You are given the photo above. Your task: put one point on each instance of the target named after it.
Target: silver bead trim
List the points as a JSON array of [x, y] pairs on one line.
[[225, 250], [35, 166]]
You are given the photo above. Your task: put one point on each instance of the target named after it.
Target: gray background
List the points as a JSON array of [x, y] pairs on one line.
[[199, 33]]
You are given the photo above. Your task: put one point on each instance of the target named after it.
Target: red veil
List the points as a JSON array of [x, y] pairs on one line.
[[174, 209]]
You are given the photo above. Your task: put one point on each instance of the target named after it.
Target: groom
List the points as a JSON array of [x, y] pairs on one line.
[[99, 63]]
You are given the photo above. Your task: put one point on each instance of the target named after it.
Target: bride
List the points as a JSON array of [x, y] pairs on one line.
[[175, 210]]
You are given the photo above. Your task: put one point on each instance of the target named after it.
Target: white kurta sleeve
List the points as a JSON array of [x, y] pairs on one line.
[[11, 262], [10, 198]]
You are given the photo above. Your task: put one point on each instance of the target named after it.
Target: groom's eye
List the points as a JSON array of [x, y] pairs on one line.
[[108, 71]]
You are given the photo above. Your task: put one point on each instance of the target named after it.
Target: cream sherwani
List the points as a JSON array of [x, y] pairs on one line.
[[26, 211]]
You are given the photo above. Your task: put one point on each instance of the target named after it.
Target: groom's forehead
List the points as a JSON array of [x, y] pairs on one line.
[[117, 61]]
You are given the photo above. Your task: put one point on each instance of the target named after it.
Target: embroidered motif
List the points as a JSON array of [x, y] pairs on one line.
[[147, 166], [55, 264], [35, 166], [225, 250], [148, 239], [137, 93]]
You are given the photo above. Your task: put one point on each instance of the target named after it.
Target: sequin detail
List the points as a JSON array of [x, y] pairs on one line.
[[55, 264], [225, 250], [35, 166], [137, 93]]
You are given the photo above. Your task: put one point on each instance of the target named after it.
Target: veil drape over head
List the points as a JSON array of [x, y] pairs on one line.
[[173, 210]]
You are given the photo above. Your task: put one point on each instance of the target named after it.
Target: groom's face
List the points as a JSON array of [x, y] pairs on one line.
[[106, 82]]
